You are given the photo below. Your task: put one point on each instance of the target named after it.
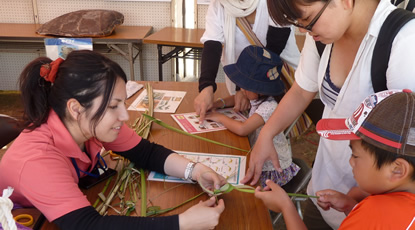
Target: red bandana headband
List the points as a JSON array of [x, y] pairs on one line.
[[48, 71]]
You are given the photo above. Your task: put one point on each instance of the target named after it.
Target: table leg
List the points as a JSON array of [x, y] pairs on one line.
[[131, 60], [177, 69], [140, 61], [160, 56], [184, 65], [129, 55]]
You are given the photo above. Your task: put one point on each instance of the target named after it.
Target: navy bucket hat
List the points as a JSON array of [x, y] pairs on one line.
[[257, 70]]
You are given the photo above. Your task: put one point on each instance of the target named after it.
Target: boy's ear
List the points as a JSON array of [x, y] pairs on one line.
[[74, 108], [400, 169]]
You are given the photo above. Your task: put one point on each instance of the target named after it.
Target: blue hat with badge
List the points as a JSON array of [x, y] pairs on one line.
[[257, 70]]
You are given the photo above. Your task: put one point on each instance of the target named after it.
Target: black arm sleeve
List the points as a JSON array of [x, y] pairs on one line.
[[277, 38], [148, 155], [88, 218], [212, 51]]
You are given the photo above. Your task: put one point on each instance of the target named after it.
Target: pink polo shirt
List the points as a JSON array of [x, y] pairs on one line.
[[38, 166]]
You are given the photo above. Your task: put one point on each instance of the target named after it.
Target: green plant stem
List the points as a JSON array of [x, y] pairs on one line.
[[143, 194], [245, 188], [189, 134], [165, 191], [301, 195], [132, 187], [103, 191], [159, 212], [130, 207], [115, 189]]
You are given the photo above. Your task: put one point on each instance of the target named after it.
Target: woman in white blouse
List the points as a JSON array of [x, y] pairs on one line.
[[342, 77]]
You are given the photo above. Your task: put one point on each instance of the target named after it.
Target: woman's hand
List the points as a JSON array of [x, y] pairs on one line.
[[241, 102], [203, 102], [263, 150], [273, 196], [207, 177], [204, 215], [333, 199]]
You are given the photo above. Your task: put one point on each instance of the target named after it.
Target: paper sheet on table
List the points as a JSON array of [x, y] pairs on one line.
[[189, 122], [231, 167], [132, 87], [165, 101]]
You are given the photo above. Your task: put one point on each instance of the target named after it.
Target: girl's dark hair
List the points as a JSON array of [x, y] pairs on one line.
[[262, 97], [84, 76], [280, 10], [383, 157]]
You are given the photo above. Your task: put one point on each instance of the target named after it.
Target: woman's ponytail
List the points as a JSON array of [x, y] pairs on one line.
[[35, 92]]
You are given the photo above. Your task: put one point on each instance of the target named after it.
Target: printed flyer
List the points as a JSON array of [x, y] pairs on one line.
[[165, 101], [232, 167], [189, 122]]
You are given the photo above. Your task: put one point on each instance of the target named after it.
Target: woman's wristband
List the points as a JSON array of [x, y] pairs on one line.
[[188, 172], [223, 103]]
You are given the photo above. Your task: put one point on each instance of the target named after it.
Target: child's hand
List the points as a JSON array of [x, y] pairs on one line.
[[333, 199], [241, 102], [214, 116], [274, 197]]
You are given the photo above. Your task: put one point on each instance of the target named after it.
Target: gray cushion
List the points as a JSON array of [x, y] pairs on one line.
[[83, 23]]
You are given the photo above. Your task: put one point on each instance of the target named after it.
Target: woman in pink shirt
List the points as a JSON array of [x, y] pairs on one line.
[[73, 108]]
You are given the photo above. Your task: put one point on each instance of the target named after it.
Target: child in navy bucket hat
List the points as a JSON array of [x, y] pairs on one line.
[[382, 139], [257, 72]]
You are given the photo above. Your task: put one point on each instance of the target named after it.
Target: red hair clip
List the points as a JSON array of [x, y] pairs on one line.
[[48, 71]]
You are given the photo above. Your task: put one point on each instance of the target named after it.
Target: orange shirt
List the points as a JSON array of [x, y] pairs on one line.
[[386, 211]]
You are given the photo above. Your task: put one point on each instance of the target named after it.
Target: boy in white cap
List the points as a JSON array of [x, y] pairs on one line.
[[382, 138]]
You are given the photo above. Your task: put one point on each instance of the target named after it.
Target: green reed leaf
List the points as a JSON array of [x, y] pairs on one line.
[[159, 122], [143, 194]]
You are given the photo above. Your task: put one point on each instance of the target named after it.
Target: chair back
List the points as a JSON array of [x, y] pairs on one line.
[[302, 178], [295, 185], [9, 129]]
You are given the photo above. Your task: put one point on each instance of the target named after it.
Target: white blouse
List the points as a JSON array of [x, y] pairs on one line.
[[215, 21], [331, 168]]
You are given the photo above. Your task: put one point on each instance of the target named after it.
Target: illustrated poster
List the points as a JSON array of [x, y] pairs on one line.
[[165, 101], [61, 47], [189, 122], [232, 167]]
